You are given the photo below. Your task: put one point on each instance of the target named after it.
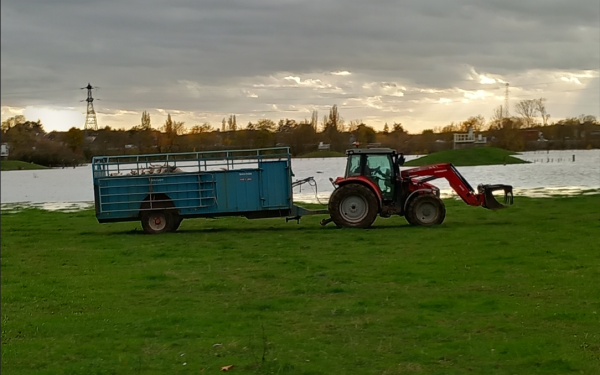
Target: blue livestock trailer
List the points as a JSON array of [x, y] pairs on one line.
[[161, 190]]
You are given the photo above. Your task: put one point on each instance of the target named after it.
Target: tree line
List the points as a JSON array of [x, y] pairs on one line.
[[529, 129]]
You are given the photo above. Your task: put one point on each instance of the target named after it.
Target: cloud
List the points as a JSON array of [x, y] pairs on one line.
[[486, 80], [214, 57], [8, 112], [571, 79], [249, 94]]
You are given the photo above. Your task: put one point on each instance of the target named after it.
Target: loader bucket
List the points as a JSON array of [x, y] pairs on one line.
[[490, 201]]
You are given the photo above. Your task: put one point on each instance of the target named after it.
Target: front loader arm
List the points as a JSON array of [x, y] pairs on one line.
[[483, 197]]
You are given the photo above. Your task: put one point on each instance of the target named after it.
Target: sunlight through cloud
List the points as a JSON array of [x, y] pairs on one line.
[[571, 79], [486, 80]]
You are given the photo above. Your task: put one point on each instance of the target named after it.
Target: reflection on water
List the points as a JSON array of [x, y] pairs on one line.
[[564, 172], [50, 206]]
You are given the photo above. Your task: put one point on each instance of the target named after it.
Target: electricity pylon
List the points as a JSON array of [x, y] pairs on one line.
[[91, 123]]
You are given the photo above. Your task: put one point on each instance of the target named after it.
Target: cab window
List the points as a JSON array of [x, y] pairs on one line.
[[379, 169], [353, 166]]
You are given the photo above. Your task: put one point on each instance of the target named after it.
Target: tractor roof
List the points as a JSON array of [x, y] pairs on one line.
[[370, 151]]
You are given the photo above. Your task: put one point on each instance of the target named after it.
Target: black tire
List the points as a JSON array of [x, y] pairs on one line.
[[426, 210], [409, 219], [158, 221], [353, 206], [175, 223]]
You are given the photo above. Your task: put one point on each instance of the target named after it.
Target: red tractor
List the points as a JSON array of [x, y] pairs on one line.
[[375, 185]]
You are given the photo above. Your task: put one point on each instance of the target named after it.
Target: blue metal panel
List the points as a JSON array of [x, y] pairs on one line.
[[240, 191], [275, 181]]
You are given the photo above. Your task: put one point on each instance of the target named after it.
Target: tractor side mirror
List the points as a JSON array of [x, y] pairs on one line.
[[401, 159]]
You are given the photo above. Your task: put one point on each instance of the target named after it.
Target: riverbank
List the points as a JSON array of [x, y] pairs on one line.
[[469, 157], [16, 165]]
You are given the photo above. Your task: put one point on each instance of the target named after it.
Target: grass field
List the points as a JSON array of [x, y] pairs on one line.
[[514, 291], [469, 157], [15, 165]]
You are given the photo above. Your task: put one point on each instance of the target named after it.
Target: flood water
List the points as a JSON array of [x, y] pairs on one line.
[[549, 173]]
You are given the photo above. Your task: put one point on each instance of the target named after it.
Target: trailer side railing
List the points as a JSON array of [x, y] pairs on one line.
[[136, 165]]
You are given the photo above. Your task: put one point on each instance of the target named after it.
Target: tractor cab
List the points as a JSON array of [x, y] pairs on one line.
[[379, 165]]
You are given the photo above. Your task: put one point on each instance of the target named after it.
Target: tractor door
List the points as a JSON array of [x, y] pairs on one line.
[[379, 169], [353, 166]]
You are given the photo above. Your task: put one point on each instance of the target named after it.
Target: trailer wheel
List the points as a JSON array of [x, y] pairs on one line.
[[175, 223], [353, 206], [155, 222], [426, 210]]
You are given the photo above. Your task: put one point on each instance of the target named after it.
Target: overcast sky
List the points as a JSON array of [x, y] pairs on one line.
[[423, 63]]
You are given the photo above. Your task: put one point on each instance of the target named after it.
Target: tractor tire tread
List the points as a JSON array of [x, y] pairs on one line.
[[349, 190], [411, 214]]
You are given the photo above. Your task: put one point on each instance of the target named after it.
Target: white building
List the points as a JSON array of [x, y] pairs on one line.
[[466, 140], [324, 146]]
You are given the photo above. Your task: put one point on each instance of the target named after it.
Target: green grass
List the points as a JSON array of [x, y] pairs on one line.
[[469, 157], [514, 291], [323, 154], [15, 165]]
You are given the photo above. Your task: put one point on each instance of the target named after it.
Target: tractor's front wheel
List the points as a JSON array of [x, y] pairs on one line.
[[353, 206], [426, 210]]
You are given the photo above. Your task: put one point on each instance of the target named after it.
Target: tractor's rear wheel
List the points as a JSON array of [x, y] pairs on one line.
[[157, 221], [426, 210], [353, 206]]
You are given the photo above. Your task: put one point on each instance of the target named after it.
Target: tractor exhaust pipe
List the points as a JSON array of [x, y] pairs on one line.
[[489, 200]]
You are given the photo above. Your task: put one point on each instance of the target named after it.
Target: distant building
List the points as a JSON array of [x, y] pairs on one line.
[[467, 140], [533, 135], [324, 146], [4, 150]]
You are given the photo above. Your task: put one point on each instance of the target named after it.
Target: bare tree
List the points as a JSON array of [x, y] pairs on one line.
[[477, 123], [266, 124], [334, 119], [314, 119], [452, 128], [324, 123], [171, 130], [541, 108], [232, 123], [497, 115], [354, 124], [586, 118], [11, 122], [199, 129], [398, 128], [527, 109], [145, 124]]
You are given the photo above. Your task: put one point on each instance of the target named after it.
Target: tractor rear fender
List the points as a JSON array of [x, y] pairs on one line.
[[340, 181]]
